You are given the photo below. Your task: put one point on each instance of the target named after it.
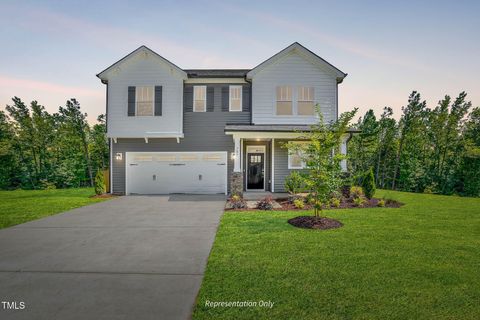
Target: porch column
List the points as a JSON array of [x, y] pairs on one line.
[[236, 155]]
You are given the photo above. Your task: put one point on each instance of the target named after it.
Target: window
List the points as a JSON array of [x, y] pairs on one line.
[[144, 101], [295, 159], [235, 98], [284, 101], [199, 98], [305, 101]]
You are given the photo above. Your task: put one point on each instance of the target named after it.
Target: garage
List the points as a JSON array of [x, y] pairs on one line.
[[176, 172]]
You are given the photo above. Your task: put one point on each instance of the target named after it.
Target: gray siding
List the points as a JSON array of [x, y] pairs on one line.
[[268, 162], [280, 165], [204, 131]]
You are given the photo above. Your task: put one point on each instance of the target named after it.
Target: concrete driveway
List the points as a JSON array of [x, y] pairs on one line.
[[137, 257]]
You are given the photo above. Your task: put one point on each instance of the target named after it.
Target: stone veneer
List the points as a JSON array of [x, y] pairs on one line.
[[236, 184]]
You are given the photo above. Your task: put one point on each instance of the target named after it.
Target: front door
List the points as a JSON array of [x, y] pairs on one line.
[[256, 171]]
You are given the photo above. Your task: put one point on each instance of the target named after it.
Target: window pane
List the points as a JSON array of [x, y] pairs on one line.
[[306, 108], [284, 108], [199, 98], [295, 161], [144, 98], [235, 98]]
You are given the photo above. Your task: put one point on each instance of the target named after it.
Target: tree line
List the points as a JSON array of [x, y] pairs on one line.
[[40, 150], [427, 150]]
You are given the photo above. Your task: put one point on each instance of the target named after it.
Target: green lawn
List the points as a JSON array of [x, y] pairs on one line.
[[420, 261], [20, 206]]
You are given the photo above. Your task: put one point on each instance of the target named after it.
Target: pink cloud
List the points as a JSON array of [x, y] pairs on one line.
[[17, 83]]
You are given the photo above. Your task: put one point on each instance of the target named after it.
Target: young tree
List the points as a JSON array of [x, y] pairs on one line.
[[322, 157]]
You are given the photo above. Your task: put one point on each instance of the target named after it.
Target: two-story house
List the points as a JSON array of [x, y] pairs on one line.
[[173, 130]]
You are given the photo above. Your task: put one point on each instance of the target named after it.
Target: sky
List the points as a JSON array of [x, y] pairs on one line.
[[52, 50]]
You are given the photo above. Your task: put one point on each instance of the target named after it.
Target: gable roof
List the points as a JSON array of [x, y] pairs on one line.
[[216, 73], [297, 46], [143, 48]]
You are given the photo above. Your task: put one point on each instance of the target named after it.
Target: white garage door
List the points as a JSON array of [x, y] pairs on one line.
[[176, 172]]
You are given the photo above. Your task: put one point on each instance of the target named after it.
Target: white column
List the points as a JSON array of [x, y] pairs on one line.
[[343, 150], [236, 155]]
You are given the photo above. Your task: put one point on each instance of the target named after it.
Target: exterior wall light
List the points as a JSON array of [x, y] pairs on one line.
[[118, 156], [233, 156]]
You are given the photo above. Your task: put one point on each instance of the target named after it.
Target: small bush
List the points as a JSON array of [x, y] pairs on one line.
[[368, 184], [298, 203], [293, 197], [359, 202], [381, 203], [356, 192], [335, 202], [46, 185], [238, 202], [265, 203], [294, 183], [100, 187], [309, 199]]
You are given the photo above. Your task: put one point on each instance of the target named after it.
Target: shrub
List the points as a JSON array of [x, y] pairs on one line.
[[356, 192], [294, 183], [368, 184], [335, 202], [381, 203], [265, 203], [310, 199], [293, 197], [359, 202], [46, 185], [238, 202], [100, 187], [298, 203]]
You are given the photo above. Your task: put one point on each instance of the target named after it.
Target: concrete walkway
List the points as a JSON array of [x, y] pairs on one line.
[[137, 257]]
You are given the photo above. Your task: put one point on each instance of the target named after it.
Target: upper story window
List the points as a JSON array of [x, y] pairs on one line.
[[235, 98], [284, 101], [295, 159], [305, 105], [199, 98], [144, 97]]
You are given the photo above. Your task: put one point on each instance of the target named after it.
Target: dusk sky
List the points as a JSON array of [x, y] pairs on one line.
[[51, 50]]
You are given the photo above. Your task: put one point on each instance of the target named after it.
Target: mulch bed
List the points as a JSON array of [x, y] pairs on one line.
[[310, 222], [344, 204]]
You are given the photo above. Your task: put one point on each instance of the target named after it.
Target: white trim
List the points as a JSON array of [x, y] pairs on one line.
[[265, 134], [230, 98], [175, 152], [150, 135], [264, 166], [126, 173], [273, 165], [194, 96], [241, 155], [215, 80], [111, 167]]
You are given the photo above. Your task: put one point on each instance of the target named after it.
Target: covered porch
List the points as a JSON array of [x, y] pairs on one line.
[[261, 162]]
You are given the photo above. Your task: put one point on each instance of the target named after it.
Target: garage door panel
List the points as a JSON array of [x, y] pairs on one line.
[[190, 172]]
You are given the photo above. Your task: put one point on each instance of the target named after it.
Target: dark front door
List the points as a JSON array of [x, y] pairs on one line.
[[255, 171]]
